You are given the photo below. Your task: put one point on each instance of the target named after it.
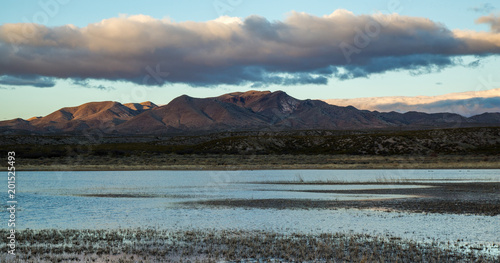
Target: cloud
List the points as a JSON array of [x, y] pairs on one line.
[[302, 49], [492, 20], [28, 80], [485, 8], [463, 103], [465, 107], [86, 84]]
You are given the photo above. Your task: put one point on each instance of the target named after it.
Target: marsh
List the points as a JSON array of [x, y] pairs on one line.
[[403, 205]]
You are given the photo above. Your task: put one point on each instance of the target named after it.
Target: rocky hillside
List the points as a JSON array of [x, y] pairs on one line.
[[239, 111]]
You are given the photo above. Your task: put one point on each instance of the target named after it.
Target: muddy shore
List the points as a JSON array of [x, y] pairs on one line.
[[255, 162], [445, 198]]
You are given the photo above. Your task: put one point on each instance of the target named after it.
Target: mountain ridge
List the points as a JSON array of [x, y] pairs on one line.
[[236, 111]]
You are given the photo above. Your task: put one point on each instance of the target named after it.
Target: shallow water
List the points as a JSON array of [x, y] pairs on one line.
[[117, 199]]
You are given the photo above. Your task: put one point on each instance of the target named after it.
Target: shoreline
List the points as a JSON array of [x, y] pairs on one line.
[[57, 168], [233, 162]]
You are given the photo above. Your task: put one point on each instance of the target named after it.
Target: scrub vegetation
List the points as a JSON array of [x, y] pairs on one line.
[[150, 245]]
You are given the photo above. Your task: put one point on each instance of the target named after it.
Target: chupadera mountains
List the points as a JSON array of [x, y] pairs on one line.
[[239, 111]]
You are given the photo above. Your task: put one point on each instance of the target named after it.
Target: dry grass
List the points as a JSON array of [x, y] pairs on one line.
[[257, 162]]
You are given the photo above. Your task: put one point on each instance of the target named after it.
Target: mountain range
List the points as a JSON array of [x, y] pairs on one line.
[[238, 111]]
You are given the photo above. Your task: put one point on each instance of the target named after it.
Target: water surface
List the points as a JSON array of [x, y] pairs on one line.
[[131, 199]]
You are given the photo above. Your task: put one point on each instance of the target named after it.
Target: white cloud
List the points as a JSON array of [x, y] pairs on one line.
[[301, 49], [464, 103], [492, 20]]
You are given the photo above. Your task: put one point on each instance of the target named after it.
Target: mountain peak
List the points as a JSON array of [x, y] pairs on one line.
[[148, 103], [140, 107], [34, 118], [247, 93], [237, 111], [250, 98]]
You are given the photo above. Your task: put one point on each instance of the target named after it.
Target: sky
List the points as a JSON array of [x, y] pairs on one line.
[[57, 53]]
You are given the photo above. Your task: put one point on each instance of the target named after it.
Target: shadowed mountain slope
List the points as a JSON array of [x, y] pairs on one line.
[[104, 116], [238, 111]]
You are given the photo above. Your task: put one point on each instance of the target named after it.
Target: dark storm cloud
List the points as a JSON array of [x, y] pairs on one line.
[[302, 49], [415, 64], [30, 80]]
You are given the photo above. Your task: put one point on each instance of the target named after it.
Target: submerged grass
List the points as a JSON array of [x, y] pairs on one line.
[[152, 245]]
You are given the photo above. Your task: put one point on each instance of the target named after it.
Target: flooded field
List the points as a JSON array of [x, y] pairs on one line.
[[453, 209]]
